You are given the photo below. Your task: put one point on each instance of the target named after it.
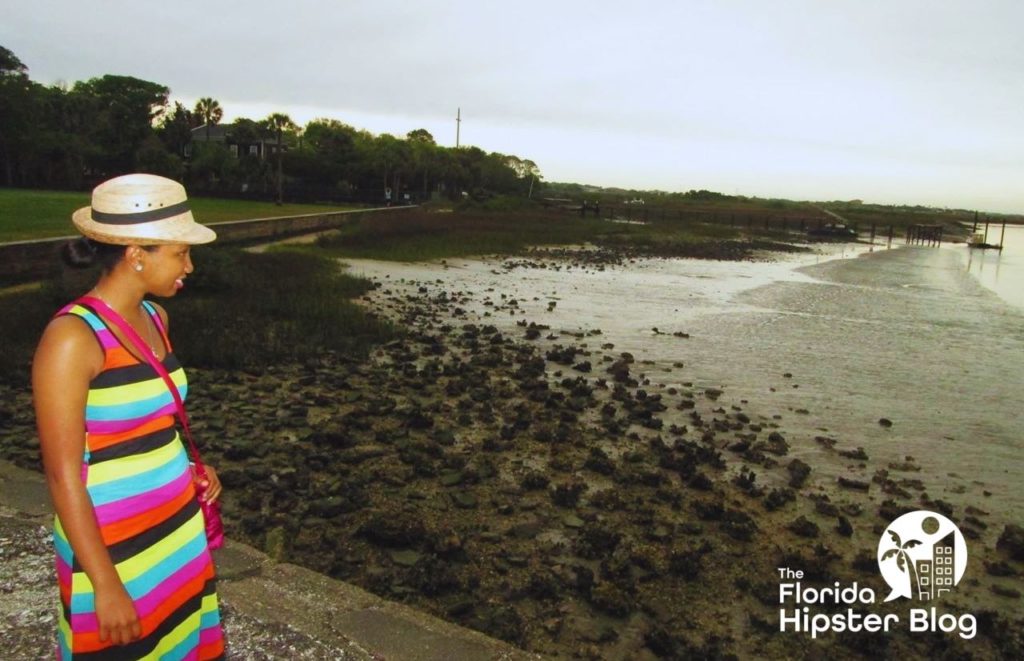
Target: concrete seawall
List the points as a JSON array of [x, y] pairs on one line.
[[271, 610], [21, 261]]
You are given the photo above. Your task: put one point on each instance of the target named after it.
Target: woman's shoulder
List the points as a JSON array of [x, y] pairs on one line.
[[70, 337]]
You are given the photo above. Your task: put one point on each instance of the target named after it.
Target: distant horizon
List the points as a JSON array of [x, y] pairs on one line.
[[907, 103], [307, 114]]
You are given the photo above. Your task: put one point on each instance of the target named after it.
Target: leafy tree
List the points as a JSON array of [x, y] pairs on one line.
[[420, 136], [279, 123], [209, 110], [67, 126], [246, 131], [125, 110], [16, 115], [333, 147], [115, 124], [154, 158], [175, 129], [10, 64], [213, 166]]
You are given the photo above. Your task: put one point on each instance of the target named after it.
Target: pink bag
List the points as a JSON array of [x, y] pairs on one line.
[[211, 511]]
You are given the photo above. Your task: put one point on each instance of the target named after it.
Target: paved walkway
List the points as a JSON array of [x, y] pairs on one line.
[[271, 610]]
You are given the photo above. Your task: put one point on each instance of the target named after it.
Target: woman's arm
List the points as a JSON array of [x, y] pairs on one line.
[[67, 359]]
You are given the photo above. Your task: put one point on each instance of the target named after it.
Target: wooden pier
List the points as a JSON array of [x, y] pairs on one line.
[[930, 235]]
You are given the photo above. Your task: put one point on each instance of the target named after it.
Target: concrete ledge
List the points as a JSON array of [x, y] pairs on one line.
[[314, 613], [340, 615]]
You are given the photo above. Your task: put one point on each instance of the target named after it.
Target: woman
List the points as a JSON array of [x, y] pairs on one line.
[[135, 572]]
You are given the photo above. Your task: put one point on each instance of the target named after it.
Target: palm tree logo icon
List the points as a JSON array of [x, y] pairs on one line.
[[903, 559], [929, 563]]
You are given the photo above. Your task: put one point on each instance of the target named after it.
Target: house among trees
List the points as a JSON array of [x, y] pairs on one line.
[[239, 143]]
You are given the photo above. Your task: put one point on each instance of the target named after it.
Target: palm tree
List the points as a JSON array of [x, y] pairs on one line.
[[211, 112], [903, 560], [278, 123]]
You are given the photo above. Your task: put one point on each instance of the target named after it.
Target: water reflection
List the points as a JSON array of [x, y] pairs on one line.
[[1002, 271]]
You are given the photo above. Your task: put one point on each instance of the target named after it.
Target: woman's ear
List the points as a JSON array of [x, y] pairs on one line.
[[133, 255]]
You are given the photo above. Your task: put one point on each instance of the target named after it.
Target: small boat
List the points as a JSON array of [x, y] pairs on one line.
[[977, 240]]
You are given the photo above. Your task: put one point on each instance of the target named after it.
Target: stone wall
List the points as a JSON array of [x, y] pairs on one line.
[[22, 261]]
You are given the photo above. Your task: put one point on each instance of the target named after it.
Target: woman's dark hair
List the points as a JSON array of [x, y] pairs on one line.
[[84, 252]]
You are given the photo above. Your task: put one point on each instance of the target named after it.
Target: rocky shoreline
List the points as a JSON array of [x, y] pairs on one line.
[[540, 487]]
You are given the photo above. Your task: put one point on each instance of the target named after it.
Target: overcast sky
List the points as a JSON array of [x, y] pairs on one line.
[[918, 102]]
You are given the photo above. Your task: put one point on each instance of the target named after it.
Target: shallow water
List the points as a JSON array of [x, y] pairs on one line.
[[907, 334], [1001, 271]]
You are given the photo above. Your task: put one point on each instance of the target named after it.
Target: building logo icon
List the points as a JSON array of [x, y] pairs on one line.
[[922, 555]]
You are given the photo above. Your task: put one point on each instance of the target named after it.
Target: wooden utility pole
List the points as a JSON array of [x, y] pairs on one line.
[[458, 126]]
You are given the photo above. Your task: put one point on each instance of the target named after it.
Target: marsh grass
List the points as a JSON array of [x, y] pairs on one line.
[[247, 310], [239, 310], [38, 214], [422, 236]]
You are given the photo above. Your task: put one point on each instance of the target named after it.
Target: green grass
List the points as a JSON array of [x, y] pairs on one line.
[[36, 214], [240, 310]]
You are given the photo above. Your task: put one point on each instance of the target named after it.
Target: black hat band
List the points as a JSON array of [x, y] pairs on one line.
[[140, 216]]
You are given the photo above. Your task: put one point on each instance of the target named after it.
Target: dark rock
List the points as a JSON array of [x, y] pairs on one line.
[[778, 498], [1012, 541], [798, 473], [865, 561], [1004, 591], [597, 540], [844, 527], [885, 422], [393, 527], [826, 507], [567, 494], [938, 505], [701, 481], [857, 485], [610, 598], [685, 563], [859, 454], [533, 481], [890, 510], [464, 500], [599, 462], [738, 525], [804, 527], [1000, 568]]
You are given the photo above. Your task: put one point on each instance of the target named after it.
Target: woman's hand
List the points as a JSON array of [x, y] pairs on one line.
[[115, 613], [210, 482]]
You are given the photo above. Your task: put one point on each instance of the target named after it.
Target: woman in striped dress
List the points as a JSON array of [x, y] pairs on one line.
[[135, 573]]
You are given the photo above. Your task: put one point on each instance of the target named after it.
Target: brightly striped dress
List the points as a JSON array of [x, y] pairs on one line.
[[137, 474]]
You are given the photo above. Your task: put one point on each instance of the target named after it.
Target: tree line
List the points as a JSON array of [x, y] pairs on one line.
[[72, 137]]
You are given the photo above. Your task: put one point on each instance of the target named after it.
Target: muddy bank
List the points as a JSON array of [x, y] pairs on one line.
[[536, 484]]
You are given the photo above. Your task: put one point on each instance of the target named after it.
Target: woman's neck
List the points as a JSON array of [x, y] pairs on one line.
[[118, 294]]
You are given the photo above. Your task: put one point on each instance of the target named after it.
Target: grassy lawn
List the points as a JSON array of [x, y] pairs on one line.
[[35, 214]]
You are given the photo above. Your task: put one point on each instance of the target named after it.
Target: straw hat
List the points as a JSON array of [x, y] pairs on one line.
[[143, 209]]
